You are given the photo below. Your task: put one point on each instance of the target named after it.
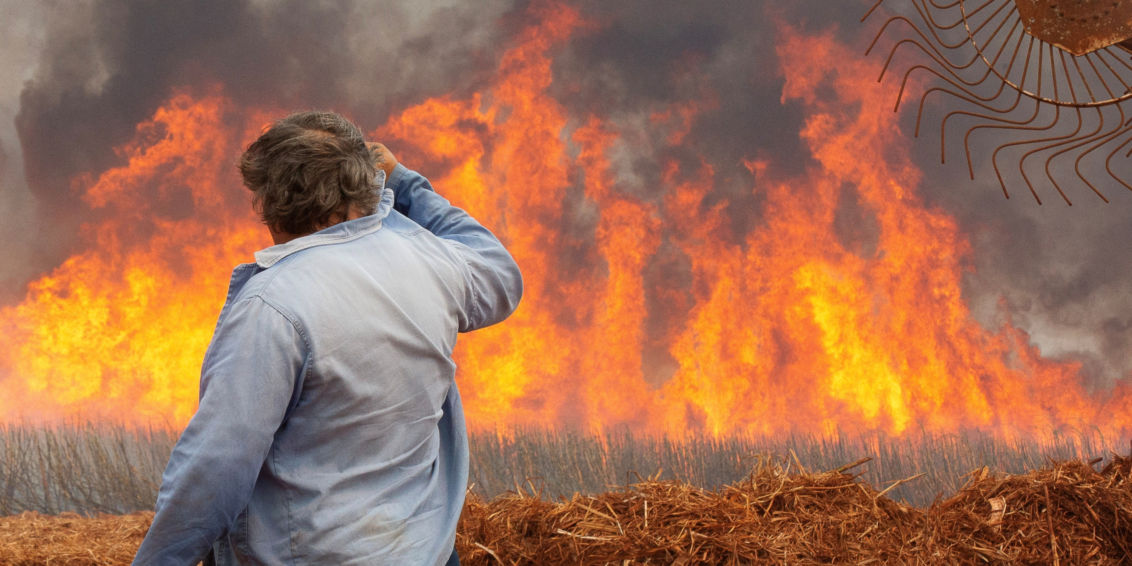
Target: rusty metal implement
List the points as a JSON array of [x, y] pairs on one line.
[[1047, 81]]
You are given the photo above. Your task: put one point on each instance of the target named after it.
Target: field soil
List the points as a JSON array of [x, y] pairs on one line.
[[1065, 514]]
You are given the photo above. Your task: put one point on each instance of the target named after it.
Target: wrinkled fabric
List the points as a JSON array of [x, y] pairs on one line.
[[330, 429]]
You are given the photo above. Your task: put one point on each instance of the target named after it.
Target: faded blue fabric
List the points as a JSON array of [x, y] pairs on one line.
[[330, 429]]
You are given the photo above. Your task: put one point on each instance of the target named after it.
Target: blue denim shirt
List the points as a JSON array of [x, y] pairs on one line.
[[330, 429]]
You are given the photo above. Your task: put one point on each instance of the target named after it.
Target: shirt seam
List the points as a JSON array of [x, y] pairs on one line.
[[472, 310], [395, 178], [287, 491], [325, 240]]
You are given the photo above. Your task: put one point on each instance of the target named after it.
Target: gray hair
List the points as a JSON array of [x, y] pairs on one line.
[[307, 170]]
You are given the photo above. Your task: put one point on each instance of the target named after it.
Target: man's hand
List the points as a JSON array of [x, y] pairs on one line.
[[382, 157]]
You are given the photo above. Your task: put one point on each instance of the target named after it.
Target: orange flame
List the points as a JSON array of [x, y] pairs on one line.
[[790, 331], [119, 331]]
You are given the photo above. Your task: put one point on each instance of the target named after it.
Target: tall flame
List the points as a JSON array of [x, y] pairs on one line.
[[790, 330], [119, 331]]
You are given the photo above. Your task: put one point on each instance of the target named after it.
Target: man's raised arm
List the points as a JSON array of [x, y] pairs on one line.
[[495, 284]]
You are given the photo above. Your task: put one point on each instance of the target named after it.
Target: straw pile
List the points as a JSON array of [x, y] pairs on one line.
[[1068, 513], [71, 540]]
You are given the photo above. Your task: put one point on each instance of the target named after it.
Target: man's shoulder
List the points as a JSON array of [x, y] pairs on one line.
[[401, 224], [426, 243], [390, 250]]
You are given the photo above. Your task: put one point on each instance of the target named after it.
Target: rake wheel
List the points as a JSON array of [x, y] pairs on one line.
[[1031, 68]]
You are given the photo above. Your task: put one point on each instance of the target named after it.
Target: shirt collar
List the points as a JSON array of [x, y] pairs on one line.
[[336, 234]]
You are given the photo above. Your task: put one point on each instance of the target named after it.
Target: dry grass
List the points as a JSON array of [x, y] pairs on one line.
[[80, 467], [101, 468], [71, 540], [564, 462], [1066, 513]]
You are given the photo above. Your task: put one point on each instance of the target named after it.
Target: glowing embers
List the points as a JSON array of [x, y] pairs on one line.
[[1077, 26]]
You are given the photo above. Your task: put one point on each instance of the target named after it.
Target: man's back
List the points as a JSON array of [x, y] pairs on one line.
[[329, 406], [357, 465]]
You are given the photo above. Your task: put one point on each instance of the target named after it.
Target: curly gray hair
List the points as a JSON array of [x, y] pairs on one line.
[[307, 170]]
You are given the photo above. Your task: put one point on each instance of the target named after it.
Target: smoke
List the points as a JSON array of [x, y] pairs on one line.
[[21, 38], [106, 65], [1062, 273], [76, 77]]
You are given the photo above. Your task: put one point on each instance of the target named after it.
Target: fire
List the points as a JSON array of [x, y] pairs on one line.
[[790, 329], [119, 331]]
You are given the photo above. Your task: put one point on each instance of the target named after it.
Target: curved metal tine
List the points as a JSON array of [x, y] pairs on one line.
[[1113, 71], [1022, 161], [916, 29], [1019, 126], [945, 63], [989, 18], [986, 73], [1001, 88], [975, 56], [871, 10], [1068, 78], [945, 7], [1059, 140], [1120, 129], [1108, 160], [1085, 141], [1117, 57], [949, 67], [1013, 124], [1104, 139], [1104, 83], [1005, 41], [884, 28], [927, 15], [1001, 50], [971, 97], [1087, 138], [1081, 74]]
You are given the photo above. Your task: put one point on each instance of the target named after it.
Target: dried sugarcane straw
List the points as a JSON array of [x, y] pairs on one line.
[[1067, 513], [70, 540], [823, 518]]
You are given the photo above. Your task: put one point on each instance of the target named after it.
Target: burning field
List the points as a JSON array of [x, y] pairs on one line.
[[678, 284], [654, 298]]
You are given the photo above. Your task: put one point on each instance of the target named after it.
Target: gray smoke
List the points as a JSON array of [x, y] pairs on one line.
[[76, 76], [80, 74], [21, 39]]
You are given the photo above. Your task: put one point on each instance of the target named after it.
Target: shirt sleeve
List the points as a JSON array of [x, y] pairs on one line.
[[249, 379], [495, 284]]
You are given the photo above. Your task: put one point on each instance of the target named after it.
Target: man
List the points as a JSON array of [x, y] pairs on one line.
[[330, 429]]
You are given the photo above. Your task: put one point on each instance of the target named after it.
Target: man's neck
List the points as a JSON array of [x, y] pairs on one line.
[[280, 237]]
